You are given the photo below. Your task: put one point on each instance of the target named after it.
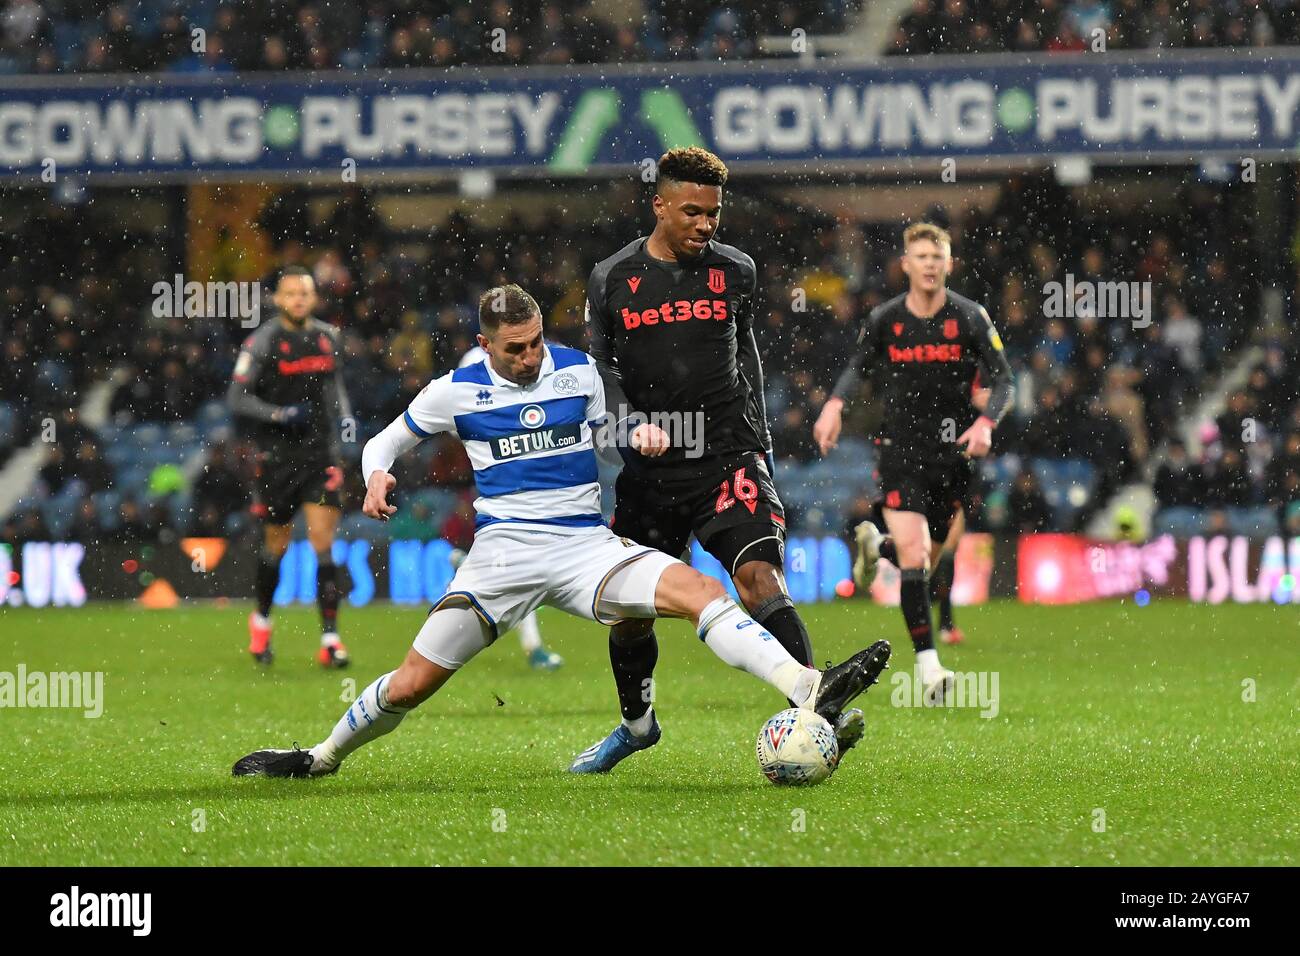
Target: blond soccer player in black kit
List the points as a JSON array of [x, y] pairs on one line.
[[925, 349], [670, 323], [288, 396]]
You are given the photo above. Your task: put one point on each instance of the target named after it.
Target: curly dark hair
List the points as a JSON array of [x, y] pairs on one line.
[[692, 164]]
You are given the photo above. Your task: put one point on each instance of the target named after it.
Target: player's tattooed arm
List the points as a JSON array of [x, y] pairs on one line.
[[248, 369]]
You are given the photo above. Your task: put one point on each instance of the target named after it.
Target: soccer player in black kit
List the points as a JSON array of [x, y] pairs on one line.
[[288, 394], [669, 318], [925, 348]]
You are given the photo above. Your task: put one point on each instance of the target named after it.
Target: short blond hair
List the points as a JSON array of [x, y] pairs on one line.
[[919, 231]]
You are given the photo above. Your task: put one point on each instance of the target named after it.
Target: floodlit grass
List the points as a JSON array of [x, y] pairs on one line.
[[1137, 713]]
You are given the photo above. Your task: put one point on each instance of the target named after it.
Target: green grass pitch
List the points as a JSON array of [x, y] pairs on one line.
[[1137, 713]]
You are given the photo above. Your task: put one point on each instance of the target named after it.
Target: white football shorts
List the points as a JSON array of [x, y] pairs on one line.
[[510, 572]]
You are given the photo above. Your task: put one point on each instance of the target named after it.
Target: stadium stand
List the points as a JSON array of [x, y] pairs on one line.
[[1066, 26], [1088, 391], [1097, 400], [53, 36]]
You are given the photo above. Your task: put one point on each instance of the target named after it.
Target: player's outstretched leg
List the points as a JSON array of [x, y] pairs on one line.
[[448, 639], [740, 641], [761, 587]]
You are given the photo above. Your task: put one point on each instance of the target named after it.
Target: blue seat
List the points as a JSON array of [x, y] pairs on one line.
[[144, 435], [1255, 521], [1180, 522], [120, 455], [211, 413], [133, 479], [182, 433], [106, 501]]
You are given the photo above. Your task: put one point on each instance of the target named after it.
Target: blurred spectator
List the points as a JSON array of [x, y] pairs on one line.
[[219, 487], [1179, 480], [1027, 509]]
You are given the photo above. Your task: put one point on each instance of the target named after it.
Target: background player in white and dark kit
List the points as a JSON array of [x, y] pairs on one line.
[[670, 323], [924, 349], [289, 397]]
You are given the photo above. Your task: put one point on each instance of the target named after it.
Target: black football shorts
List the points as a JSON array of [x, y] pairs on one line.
[[731, 507], [282, 486], [928, 483]]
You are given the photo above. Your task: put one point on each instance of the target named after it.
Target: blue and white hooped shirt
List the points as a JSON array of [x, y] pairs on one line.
[[530, 445]]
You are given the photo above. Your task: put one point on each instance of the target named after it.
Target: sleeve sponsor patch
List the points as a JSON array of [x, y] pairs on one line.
[[242, 365], [995, 338]]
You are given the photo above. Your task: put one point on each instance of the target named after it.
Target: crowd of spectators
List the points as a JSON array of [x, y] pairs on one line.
[[1249, 454], [53, 36], [50, 36], [1025, 26], [1095, 388]]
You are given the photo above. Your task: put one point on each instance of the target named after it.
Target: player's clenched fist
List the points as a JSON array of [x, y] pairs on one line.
[[650, 440], [826, 433], [376, 504]]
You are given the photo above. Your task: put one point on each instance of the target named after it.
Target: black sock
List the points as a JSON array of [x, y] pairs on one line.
[[915, 599], [888, 551], [633, 656], [785, 625], [268, 579], [327, 594], [941, 588]]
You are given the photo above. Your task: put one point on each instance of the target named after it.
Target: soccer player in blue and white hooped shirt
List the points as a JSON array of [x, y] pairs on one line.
[[528, 415]]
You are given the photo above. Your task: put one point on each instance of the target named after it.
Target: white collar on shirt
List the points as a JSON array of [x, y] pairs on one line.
[[548, 366]]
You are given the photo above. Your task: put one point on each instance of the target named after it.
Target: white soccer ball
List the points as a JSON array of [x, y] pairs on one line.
[[797, 748]]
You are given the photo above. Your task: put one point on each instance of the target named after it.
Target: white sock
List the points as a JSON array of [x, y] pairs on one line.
[[261, 621], [329, 637], [370, 716], [530, 635], [928, 661], [641, 726], [742, 642]]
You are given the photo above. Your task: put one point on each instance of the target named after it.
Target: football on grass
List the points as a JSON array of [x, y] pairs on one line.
[[797, 748]]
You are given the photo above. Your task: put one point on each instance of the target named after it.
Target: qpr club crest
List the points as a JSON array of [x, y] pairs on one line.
[[532, 416], [717, 280], [566, 383]]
